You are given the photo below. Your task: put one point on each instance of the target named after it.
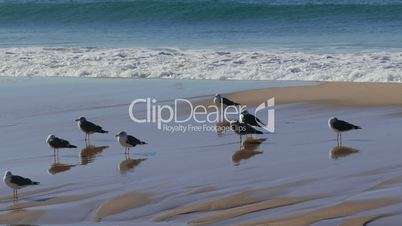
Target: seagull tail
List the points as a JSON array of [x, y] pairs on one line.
[[104, 131], [72, 146], [142, 142], [357, 127], [35, 183], [259, 132]]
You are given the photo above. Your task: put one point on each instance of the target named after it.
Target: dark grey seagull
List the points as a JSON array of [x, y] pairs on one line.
[[57, 143], [339, 126], [218, 99], [243, 129], [128, 141], [88, 127], [246, 117], [17, 182]]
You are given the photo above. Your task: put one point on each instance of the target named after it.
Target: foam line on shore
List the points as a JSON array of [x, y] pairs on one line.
[[238, 64]]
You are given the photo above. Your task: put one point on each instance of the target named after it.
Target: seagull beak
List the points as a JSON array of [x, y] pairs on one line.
[[77, 120], [116, 135]]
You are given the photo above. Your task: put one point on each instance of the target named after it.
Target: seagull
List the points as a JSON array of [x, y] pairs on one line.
[[339, 126], [58, 143], [243, 129], [128, 141], [88, 127], [246, 117], [17, 182], [218, 99]]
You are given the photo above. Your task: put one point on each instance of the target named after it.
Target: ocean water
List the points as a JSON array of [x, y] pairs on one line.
[[202, 23], [353, 40]]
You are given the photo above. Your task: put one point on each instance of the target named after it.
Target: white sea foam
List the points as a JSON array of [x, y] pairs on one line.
[[274, 64]]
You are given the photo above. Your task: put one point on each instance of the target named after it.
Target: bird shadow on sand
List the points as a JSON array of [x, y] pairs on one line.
[[248, 149], [338, 152], [57, 167], [129, 164], [89, 153]]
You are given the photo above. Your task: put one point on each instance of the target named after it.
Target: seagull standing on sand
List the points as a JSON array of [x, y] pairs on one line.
[[339, 126], [88, 127], [17, 182], [218, 99], [128, 141], [246, 117], [58, 143], [243, 129]]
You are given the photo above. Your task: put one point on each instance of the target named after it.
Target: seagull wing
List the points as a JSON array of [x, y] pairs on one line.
[[343, 126], [252, 120], [22, 181], [61, 142], [91, 127], [251, 130], [228, 102], [258, 120], [133, 141]]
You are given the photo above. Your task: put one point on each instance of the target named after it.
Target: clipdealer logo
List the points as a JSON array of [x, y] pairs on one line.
[[197, 117]]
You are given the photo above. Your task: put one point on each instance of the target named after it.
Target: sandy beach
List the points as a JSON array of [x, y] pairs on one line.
[[294, 176]]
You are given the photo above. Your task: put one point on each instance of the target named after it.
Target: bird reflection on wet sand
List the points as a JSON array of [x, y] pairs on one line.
[[128, 164], [248, 150], [89, 153], [58, 167], [341, 151]]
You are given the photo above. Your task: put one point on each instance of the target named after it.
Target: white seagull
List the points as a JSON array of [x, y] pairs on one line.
[[17, 182], [128, 141], [339, 126]]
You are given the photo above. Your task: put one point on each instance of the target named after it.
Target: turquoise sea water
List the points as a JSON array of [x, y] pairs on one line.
[[199, 23]]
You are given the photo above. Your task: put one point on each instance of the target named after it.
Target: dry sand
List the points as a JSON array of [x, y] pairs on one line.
[[245, 209], [363, 221], [122, 203], [251, 201], [357, 94], [343, 209]]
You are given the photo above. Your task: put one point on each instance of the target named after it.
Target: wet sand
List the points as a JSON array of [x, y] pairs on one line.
[[295, 176]]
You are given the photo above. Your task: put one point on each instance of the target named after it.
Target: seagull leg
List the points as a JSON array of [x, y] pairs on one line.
[[16, 194], [340, 135], [337, 139]]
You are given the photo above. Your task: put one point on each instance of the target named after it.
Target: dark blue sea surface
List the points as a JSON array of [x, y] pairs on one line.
[[199, 24]]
